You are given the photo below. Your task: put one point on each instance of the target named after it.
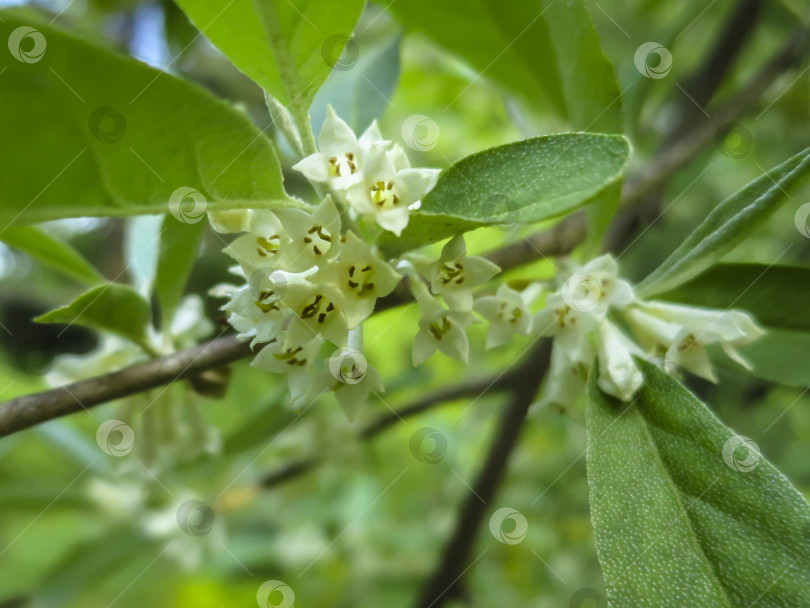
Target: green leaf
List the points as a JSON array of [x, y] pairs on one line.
[[777, 297], [110, 307], [601, 211], [41, 244], [179, 244], [97, 134], [360, 93], [589, 86], [780, 356], [535, 49], [681, 517], [287, 46], [526, 181], [728, 224]]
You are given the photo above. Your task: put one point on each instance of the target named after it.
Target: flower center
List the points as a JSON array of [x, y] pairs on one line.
[[268, 246], [440, 328], [452, 272], [320, 309], [267, 301], [383, 196], [361, 280], [319, 239], [288, 356], [338, 167], [510, 316]]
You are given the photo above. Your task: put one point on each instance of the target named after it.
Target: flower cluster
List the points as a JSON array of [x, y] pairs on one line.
[[369, 174], [311, 278], [588, 318]]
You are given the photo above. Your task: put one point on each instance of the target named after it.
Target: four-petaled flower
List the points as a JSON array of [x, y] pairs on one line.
[[454, 274], [342, 156], [507, 312]]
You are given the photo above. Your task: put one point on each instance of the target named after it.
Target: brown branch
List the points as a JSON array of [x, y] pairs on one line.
[[445, 581], [28, 410]]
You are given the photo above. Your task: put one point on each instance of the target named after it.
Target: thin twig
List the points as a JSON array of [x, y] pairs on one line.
[[28, 410], [445, 581], [475, 388]]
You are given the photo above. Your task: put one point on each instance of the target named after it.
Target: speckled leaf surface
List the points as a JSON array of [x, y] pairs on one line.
[[681, 522], [522, 182]]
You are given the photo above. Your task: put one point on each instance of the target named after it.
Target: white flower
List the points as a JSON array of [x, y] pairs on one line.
[[313, 238], [568, 326], [507, 312], [351, 396], [362, 275], [454, 274], [684, 331], [230, 221], [618, 373], [596, 286], [320, 307], [261, 247], [257, 316], [439, 328], [566, 380], [341, 157], [388, 187], [291, 352]]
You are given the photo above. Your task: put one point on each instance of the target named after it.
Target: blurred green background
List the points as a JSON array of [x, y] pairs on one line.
[[365, 528]]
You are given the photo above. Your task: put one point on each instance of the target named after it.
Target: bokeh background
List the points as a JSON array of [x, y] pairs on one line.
[[364, 528]]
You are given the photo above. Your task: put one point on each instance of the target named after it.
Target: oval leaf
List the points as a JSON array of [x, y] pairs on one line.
[[96, 134], [523, 182], [41, 244], [111, 307], [288, 47], [686, 513]]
